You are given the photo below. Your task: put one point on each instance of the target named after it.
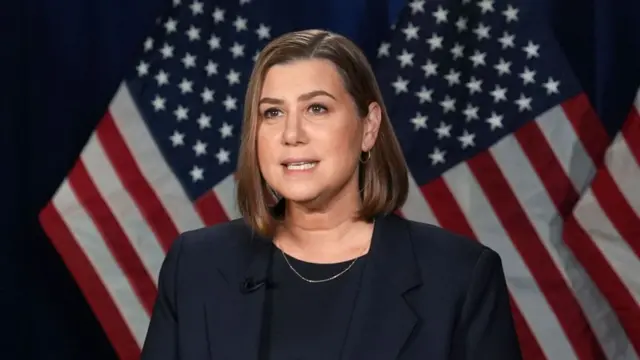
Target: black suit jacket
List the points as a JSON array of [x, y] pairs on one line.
[[426, 294]]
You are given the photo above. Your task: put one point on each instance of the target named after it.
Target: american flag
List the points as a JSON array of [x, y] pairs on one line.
[[160, 162], [504, 147], [501, 142]]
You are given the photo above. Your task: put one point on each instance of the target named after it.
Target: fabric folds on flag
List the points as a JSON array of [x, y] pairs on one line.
[[503, 146], [160, 162]]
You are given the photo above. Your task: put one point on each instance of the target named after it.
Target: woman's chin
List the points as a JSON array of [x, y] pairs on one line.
[[300, 197], [300, 194]]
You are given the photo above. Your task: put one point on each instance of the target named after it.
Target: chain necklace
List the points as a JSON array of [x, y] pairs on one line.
[[321, 280]]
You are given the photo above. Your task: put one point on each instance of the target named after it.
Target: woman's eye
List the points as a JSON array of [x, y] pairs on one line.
[[317, 109], [269, 113]]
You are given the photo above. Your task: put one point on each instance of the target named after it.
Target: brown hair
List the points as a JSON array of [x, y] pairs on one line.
[[383, 178]]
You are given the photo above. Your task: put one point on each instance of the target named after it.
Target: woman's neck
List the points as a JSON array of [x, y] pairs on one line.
[[333, 234]]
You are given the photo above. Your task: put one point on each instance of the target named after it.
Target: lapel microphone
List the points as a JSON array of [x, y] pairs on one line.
[[250, 285]]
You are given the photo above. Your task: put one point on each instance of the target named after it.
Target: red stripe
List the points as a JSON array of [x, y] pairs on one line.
[[210, 209], [451, 217], [565, 197], [529, 346], [617, 208], [544, 270], [631, 133], [587, 127], [625, 220], [545, 163], [606, 279], [445, 208], [90, 284], [113, 235], [135, 183], [621, 213]]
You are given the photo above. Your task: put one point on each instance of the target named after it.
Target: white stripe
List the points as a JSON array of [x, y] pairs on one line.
[[548, 223], [575, 160], [624, 170], [151, 162], [123, 207], [534, 200], [609, 330], [526, 293], [92, 244], [225, 192], [416, 207], [614, 248]]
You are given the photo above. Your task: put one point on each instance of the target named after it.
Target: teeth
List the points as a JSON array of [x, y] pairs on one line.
[[301, 166]]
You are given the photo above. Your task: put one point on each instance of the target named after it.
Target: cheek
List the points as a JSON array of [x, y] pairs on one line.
[[266, 151], [343, 143]]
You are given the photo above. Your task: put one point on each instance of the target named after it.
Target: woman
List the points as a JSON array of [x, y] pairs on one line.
[[320, 267]]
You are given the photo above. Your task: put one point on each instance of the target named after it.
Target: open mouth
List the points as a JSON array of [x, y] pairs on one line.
[[301, 165]]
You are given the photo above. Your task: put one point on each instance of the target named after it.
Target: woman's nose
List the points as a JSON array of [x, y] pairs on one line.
[[293, 133]]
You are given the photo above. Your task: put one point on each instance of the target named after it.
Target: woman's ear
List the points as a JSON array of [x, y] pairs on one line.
[[371, 126]]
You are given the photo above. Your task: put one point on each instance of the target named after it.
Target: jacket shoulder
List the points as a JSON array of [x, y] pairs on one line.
[[214, 243], [218, 234], [442, 239], [442, 251]]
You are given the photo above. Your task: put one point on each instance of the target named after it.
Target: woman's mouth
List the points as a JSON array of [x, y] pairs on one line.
[[303, 165]]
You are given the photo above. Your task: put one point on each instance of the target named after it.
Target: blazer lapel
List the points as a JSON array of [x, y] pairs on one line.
[[383, 320], [234, 319]]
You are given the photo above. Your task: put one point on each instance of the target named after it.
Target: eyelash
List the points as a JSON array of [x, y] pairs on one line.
[[322, 107], [266, 115]]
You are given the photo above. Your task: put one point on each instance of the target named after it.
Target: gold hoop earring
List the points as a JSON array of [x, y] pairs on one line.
[[367, 159]]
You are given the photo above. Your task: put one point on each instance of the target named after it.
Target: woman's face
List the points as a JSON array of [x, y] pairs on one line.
[[309, 134]]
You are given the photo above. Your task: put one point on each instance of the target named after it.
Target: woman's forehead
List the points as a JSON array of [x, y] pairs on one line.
[[302, 76]]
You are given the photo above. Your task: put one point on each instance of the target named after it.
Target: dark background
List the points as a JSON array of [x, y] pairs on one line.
[[61, 62]]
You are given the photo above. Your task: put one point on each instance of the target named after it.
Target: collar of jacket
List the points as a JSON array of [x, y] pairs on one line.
[[382, 319]]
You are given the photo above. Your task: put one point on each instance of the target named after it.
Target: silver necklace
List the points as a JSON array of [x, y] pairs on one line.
[[321, 280], [329, 278]]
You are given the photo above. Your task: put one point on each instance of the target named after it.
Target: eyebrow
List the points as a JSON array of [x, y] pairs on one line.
[[302, 97]]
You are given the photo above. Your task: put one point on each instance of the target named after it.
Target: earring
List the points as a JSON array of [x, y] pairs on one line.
[[367, 159]]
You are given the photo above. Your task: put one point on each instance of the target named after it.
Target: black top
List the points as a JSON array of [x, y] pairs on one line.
[[303, 320], [425, 293]]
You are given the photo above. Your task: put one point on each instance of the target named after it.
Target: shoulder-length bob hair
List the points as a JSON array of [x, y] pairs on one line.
[[383, 177]]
